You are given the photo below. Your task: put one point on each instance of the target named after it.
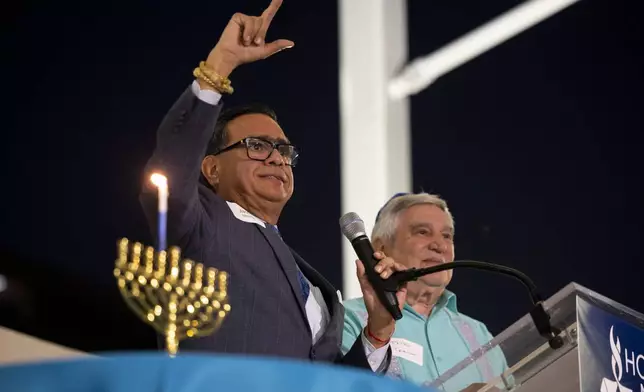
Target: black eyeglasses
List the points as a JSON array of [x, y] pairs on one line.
[[260, 149]]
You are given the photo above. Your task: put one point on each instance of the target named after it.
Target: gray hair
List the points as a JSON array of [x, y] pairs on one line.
[[387, 220]]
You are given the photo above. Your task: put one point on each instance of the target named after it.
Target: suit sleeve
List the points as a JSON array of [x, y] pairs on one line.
[[355, 356], [354, 350], [181, 143]]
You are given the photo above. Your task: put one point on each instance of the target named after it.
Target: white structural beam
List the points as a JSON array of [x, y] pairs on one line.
[[423, 71], [375, 137]]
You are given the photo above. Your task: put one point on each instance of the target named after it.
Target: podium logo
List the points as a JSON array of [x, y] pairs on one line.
[[620, 368]]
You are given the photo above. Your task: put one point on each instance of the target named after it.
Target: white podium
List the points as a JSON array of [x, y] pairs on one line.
[[603, 349]]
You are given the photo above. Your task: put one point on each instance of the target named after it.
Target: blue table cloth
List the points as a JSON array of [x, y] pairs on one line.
[[143, 372]]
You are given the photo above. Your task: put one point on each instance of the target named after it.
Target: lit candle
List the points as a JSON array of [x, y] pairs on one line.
[[161, 183]]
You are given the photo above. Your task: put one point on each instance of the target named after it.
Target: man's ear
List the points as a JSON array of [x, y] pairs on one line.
[[209, 169], [379, 245]]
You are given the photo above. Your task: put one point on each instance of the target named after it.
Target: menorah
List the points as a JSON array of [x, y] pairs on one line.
[[171, 297]]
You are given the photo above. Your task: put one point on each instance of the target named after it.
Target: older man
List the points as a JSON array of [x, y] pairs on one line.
[[417, 230], [230, 175]]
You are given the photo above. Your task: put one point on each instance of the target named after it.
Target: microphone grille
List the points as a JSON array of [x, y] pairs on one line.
[[352, 226]]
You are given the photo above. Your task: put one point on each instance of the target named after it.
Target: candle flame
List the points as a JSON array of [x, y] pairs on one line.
[[159, 180]]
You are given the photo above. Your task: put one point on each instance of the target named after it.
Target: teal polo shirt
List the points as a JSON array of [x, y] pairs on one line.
[[426, 347]]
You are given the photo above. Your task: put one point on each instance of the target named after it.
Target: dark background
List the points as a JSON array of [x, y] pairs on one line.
[[536, 145]]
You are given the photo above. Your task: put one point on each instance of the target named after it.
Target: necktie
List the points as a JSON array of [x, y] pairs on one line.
[[304, 285]]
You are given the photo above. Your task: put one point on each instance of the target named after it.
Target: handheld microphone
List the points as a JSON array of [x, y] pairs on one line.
[[353, 228]]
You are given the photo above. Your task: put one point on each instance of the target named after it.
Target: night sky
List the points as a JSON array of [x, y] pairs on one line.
[[536, 146]]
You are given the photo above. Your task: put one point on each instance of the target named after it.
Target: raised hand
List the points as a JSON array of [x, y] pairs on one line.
[[243, 41]]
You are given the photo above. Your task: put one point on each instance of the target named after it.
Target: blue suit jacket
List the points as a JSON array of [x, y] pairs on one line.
[[268, 315]]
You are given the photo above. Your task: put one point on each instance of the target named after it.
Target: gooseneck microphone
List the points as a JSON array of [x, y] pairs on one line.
[[538, 313], [353, 228], [411, 274]]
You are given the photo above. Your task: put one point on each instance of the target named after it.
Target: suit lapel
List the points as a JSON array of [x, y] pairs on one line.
[[336, 310], [287, 262]]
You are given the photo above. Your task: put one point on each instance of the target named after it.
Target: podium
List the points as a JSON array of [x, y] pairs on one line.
[[157, 372], [603, 349]]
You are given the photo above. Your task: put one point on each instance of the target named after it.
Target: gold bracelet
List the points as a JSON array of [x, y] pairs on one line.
[[213, 79], [219, 86], [212, 74]]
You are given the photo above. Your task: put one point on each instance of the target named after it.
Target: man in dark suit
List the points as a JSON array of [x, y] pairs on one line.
[[229, 175]]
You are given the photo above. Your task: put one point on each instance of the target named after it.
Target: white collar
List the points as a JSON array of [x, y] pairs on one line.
[[244, 215]]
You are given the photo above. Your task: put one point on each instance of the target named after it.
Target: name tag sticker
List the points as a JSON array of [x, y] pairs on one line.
[[244, 215], [405, 349]]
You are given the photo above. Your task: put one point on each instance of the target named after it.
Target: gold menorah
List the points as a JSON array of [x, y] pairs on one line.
[[171, 297]]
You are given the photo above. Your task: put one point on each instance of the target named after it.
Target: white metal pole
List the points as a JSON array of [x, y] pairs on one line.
[[423, 71], [375, 134]]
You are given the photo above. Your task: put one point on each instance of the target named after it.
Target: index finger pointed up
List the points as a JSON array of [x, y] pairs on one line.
[[270, 11], [266, 18]]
